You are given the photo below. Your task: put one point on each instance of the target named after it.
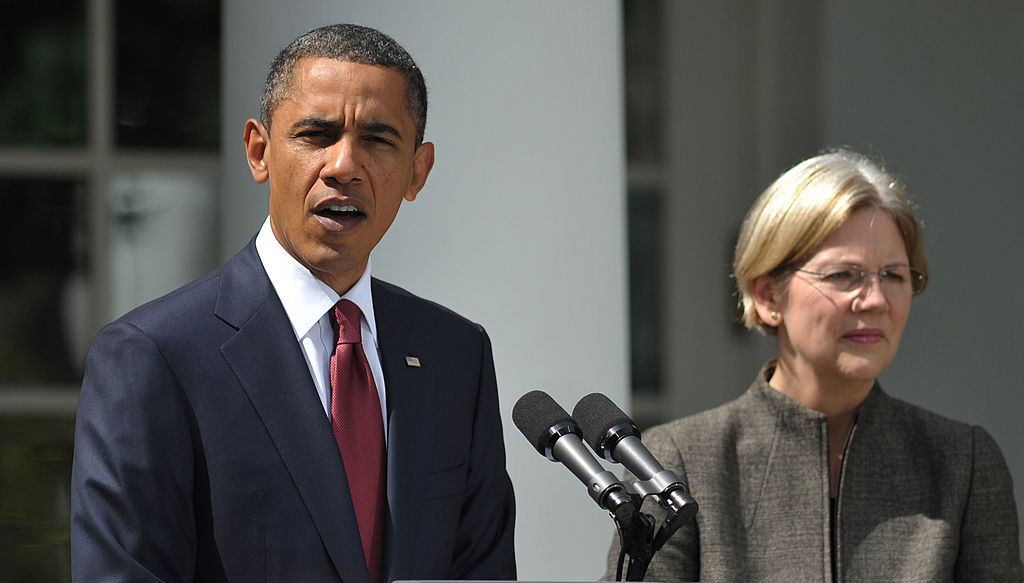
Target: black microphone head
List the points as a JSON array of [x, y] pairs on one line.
[[597, 415], [535, 413]]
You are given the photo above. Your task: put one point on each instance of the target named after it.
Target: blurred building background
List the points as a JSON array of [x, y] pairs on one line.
[[594, 162]]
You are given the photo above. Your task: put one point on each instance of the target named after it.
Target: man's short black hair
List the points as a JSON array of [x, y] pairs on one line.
[[350, 43]]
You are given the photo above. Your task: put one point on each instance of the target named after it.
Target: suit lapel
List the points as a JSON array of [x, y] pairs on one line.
[[266, 359], [411, 410]]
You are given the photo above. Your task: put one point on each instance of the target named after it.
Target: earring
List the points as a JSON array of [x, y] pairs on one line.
[[774, 315]]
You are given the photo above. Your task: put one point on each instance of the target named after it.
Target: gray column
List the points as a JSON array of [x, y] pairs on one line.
[[741, 105]]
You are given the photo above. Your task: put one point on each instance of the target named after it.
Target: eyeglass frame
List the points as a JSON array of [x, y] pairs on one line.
[[916, 275]]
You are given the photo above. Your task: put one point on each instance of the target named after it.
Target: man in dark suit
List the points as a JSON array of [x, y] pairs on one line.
[[287, 417]]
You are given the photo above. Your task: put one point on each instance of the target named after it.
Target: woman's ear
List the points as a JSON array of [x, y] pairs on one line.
[[767, 295]]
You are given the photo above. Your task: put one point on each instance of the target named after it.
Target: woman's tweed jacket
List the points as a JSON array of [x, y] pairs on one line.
[[921, 498]]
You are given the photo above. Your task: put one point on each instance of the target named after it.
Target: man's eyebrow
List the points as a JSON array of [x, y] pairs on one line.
[[316, 123], [373, 127], [379, 127]]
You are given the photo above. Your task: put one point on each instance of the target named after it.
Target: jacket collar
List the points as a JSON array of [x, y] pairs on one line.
[[789, 408], [270, 367], [412, 414]]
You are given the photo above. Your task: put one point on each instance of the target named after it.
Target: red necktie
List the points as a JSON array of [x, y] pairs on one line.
[[359, 430]]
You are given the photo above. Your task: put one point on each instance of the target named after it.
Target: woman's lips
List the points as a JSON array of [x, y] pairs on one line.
[[865, 336]]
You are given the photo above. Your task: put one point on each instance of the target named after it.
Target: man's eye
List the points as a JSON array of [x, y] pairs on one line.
[[314, 135], [379, 140]]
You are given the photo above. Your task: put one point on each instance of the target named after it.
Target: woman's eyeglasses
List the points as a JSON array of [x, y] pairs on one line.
[[896, 279]]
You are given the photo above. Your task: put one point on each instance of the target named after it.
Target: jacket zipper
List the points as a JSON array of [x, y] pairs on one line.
[[839, 505]]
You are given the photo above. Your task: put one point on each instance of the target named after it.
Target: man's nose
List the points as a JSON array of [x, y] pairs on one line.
[[343, 163]]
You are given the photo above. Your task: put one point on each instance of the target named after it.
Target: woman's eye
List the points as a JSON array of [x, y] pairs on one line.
[[843, 276], [891, 275]]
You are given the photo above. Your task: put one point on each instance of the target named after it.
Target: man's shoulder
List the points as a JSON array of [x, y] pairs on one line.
[[193, 306], [388, 296], [181, 302]]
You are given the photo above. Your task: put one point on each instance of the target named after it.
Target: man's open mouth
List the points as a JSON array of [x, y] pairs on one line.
[[340, 215]]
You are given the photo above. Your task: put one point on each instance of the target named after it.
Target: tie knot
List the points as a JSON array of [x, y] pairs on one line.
[[345, 317]]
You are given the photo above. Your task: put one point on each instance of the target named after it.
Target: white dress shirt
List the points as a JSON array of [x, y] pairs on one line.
[[308, 301]]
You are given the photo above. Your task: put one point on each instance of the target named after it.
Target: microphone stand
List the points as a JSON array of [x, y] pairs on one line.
[[636, 540], [636, 535]]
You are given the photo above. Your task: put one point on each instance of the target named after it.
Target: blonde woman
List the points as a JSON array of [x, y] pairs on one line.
[[816, 473]]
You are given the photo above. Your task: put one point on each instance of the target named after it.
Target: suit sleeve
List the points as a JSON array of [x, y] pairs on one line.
[[678, 559], [484, 547], [989, 548], [131, 492]]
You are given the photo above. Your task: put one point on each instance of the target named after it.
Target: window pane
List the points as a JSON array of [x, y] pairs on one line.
[[642, 40], [645, 289], [43, 292], [35, 506], [644, 86], [168, 74], [43, 59], [148, 256]]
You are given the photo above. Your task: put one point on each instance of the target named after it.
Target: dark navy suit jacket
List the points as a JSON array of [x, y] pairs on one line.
[[202, 451]]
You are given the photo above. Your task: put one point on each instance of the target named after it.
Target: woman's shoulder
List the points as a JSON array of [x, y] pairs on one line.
[[924, 430], [916, 420], [708, 428]]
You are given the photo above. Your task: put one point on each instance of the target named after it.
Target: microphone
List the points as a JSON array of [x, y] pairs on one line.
[[556, 435], [614, 436]]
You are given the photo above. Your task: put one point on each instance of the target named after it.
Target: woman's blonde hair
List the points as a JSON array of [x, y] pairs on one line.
[[794, 216]]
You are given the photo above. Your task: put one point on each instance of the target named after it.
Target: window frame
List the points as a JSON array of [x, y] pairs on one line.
[[95, 164]]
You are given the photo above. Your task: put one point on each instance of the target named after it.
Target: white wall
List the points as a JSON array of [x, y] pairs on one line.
[[521, 225]]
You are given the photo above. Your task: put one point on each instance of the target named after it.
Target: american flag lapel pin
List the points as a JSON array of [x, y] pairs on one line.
[[412, 361]]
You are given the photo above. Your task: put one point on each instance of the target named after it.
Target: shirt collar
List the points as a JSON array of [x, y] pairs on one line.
[[305, 297]]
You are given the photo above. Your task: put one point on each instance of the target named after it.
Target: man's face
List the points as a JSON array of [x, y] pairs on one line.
[[340, 158]]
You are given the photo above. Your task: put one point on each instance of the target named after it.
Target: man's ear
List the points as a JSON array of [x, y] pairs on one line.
[[767, 295], [422, 162], [256, 138]]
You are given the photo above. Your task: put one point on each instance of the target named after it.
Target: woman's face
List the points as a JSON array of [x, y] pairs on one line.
[[840, 335]]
